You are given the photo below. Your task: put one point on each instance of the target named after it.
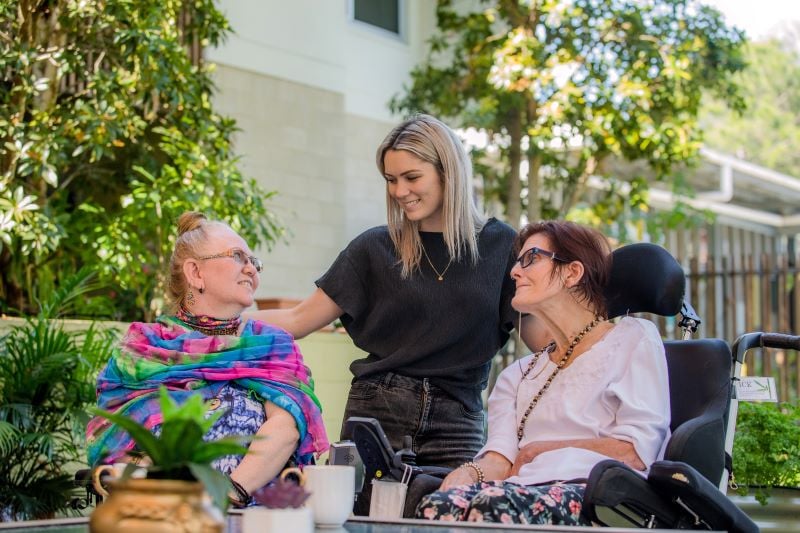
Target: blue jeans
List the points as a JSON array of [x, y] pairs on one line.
[[443, 431]]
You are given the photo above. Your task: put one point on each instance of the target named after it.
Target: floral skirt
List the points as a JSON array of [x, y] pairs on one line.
[[508, 503]]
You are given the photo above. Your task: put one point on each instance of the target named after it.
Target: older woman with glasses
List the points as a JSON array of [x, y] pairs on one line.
[[596, 391], [251, 370]]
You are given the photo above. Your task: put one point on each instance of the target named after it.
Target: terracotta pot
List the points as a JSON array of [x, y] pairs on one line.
[[156, 506]]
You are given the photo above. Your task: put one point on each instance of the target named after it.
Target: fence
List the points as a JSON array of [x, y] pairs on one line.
[[735, 295]]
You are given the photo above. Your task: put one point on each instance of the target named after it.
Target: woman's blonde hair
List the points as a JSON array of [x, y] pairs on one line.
[[432, 141], [193, 231]]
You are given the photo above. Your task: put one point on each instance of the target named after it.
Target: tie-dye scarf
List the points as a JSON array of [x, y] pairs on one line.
[[264, 359]]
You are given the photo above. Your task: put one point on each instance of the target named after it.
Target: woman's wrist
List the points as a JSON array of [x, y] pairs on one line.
[[475, 467], [239, 496]]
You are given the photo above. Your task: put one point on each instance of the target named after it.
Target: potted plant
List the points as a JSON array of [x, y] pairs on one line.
[[766, 448], [47, 382], [179, 471], [281, 507]]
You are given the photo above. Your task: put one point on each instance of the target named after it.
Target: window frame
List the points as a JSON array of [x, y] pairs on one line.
[[400, 35]]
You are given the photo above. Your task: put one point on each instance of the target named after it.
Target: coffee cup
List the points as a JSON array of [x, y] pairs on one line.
[[103, 473], [332, 489]]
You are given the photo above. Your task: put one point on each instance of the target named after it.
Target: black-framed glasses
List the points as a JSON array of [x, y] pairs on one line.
[[531, 255], [239, 256]]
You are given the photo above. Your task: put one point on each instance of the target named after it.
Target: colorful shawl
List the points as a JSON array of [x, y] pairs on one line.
[[264, 359]]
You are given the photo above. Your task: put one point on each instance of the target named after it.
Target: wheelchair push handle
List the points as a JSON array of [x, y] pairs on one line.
[[780, 340], [748, 341]]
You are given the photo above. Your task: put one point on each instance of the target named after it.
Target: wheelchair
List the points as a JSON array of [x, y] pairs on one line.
[[685, 490]]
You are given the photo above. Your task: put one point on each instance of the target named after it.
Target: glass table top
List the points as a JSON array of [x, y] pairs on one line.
[[354, 525]]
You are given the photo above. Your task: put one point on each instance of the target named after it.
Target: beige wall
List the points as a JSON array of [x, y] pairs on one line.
[[329, 355], [297, 140]]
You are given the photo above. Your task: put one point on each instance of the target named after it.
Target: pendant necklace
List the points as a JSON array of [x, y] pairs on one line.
[[439, 275]]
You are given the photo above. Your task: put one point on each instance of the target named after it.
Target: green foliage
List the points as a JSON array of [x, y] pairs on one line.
[[47, 380], [768, 133], [766, 448], [180, 451], [108, 134], [572, 86]]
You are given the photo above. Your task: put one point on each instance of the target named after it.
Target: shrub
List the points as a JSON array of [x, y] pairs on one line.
[[766, 449], [47, 381]]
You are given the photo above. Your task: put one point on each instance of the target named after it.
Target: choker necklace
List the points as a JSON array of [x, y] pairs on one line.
[[563, 361], [439, 276], [208, 325]]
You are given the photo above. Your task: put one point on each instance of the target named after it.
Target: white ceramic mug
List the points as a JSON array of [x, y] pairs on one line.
[[332, 489]]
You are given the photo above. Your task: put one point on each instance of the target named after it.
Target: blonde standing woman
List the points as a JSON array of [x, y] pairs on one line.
[[427, 296]]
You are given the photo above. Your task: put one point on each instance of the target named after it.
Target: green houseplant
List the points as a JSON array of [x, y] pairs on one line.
[[47, 382], [766, 449], [180, 453]]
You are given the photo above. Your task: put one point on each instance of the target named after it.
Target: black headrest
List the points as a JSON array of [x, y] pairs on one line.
[[645, 278]]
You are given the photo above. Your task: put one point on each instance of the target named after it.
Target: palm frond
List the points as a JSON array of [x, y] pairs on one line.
[[61, 302], [47, 377], [9, 436]]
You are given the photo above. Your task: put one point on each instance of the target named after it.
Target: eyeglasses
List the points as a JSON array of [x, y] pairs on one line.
[[239, 256], [531, 255]]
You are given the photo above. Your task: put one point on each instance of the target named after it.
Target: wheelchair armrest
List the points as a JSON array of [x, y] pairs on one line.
[[700, 442], [426, 482], [615, 486], [699, 497]]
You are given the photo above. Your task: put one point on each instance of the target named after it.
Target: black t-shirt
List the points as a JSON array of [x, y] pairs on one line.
[[447, 331]]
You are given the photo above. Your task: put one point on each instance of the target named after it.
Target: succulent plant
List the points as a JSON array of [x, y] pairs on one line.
[[281, 494]]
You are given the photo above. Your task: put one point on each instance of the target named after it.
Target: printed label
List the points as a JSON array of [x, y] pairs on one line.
[[757, 389]]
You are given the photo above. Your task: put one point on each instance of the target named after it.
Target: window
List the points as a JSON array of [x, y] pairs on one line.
[[384, 14]]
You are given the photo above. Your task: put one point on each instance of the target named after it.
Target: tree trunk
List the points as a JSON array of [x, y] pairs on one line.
[[534, 187], [580, 187], [514, 207]]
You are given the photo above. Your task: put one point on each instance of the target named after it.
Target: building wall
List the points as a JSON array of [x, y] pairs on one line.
[[309, 89]]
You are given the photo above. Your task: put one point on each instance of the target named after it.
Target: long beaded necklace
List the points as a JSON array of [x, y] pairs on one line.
[[209, 325], [559, 366], [440, 276]]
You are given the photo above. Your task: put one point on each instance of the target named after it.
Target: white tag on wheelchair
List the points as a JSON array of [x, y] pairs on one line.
[[756, 389], [388, 499]]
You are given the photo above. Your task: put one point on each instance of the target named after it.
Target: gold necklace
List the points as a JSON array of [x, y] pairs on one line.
[[559, 366], [440, 276]]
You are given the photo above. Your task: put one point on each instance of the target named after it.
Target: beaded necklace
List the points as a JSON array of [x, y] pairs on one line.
[[208, 325], [548, 349]]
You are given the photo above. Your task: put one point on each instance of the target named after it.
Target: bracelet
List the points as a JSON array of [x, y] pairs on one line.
[[242, 496], [478, 470]]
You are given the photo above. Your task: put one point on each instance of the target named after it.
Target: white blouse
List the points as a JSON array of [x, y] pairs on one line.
[[618, 388]]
